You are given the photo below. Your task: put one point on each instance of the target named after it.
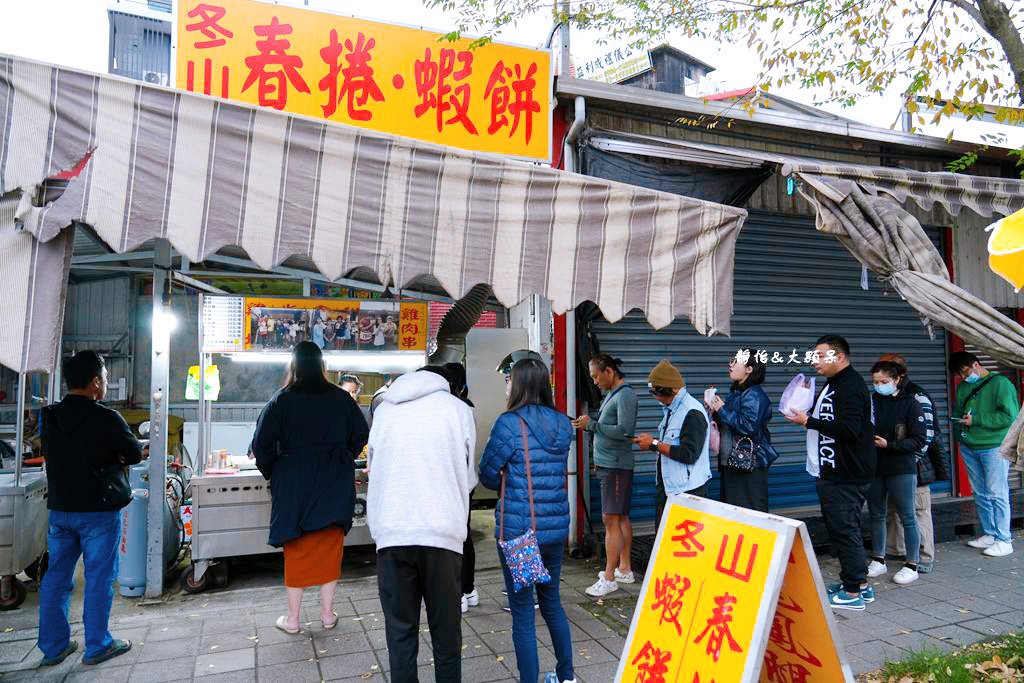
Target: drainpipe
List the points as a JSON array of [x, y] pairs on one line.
[[573, 468]]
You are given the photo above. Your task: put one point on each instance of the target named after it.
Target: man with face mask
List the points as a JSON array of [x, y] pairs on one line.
[[986, 405]]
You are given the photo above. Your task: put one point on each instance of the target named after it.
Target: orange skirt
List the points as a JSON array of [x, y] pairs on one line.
[[314, 559]]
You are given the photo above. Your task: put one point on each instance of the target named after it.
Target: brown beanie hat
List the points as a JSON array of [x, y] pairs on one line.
[[894, 358], [664, 374]]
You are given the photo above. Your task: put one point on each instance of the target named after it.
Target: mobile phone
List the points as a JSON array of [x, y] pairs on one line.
[[956, 419]]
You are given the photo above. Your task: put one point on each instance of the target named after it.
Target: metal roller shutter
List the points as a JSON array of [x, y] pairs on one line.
[[792, 285]]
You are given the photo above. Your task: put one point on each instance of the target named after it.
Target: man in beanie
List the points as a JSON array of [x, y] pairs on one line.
[[841, 455], [684, 465]]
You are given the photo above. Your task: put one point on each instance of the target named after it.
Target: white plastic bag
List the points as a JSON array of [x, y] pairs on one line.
[[798, 396]]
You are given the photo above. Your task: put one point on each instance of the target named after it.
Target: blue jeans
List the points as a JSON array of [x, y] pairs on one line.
[[902, 488], [94, 536], [524, 634], [989, 474]]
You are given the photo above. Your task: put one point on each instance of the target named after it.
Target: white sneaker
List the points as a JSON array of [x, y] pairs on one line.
[[905, 576], [876, 569], [981, 542], [602, 588], [624, 578], [998, 549], [472, 599], [465, 604], [552, 677]]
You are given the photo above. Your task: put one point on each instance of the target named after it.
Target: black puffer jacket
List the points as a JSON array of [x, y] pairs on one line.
[[846, 448], [305, 444], [898, 420]]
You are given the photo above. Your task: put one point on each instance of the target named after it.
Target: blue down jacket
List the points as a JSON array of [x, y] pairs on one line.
[[549, 434], [746, 413]]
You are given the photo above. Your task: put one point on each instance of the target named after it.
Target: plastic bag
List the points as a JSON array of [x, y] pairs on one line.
[[798, 396]]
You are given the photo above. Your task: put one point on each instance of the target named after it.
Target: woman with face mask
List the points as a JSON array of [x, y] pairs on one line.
[[900, 432]]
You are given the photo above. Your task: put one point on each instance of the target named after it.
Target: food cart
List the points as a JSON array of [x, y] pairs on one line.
[[230, 498], [23, 515]]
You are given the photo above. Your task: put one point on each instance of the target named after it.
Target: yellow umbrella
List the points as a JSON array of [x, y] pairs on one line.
[[1006, 249]]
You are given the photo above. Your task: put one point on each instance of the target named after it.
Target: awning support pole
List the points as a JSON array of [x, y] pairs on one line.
[[158, 406], [19, 440], [199, 464], [572, 408]]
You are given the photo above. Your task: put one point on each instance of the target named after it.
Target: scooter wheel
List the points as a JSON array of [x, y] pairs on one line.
[[17, 596], [189, 583]]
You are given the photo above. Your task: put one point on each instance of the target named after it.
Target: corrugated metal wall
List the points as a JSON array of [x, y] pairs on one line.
[[970, 263], [792, 285], [100, 316]]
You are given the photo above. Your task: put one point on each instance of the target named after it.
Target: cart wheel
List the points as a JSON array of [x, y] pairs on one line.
[[37, 569], [18, 593], [189, 583]]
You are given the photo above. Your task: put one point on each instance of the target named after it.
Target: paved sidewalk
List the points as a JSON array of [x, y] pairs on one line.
[[230, 635]]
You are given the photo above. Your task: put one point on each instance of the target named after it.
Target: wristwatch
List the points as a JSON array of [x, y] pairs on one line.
[[654, 445]]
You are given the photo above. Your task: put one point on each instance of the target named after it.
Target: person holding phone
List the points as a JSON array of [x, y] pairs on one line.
[[987, 404], [613, 456]]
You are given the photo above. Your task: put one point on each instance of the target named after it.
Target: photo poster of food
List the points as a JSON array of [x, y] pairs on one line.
[[276, 324]]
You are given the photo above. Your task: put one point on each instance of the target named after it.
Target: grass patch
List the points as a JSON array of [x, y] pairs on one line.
[[999, 659]]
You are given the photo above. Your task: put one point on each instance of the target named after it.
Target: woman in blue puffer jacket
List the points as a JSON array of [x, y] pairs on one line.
[[531, 416]]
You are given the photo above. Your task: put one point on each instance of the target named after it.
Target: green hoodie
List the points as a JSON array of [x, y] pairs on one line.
[[993, 409]]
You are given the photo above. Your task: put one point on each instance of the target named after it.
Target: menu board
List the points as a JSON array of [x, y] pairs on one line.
[[223, 324]]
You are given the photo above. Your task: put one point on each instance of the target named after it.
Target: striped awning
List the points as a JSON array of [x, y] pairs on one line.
[[33, 279], [984, 195], [206, 173]]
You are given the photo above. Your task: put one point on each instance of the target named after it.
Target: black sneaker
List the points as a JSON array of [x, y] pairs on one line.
[[68, 651], [115, 649]]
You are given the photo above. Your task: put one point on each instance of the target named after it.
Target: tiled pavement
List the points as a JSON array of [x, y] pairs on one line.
[[230, 636]]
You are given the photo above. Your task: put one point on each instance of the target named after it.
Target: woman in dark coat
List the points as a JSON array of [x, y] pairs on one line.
[[744, 413], [547, 433], [306, 441]]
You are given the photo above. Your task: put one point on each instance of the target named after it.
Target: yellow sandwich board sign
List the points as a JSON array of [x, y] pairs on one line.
[[731, 595]]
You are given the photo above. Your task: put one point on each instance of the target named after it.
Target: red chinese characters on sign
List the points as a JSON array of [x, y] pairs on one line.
[[410, 328], [272, 67], [718, 627], [668, 594], [209, 16], [782, 636], [784, 672], [511, 94], [688, 539], [354, 82], [651, 663], [731, 570], [437, 93], [207, 24]]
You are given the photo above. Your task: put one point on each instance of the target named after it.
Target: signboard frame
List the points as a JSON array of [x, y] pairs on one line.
[[788, 534], [543, 124]]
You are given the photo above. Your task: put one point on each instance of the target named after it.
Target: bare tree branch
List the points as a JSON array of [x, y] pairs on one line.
[[997, 22], [970, 8]]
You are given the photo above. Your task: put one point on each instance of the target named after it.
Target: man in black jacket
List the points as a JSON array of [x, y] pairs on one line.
[[841, 454], [85, 446]]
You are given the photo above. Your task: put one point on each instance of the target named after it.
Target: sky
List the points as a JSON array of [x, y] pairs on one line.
[[75, 33]]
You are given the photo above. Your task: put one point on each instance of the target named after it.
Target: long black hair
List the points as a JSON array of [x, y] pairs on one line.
[[457, 375], [306, 371], [757, 372], [603, 361], [531, 385]]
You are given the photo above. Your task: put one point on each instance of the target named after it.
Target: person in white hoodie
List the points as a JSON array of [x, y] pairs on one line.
[[421, 464]]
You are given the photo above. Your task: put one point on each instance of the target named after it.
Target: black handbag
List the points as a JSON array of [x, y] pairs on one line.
[[115, 491], [743, 455]]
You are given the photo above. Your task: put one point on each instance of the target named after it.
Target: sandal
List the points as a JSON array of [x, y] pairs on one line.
[[329, 626], [281, 625]]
